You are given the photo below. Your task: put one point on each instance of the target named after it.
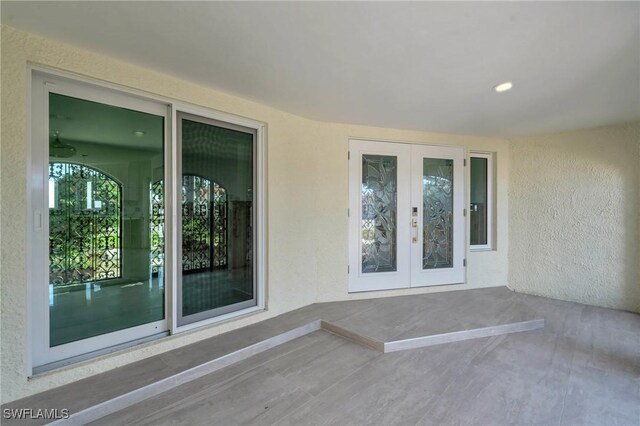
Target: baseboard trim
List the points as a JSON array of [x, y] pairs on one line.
[[457, 336]]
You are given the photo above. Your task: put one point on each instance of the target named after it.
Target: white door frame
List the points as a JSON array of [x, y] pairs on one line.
[[409, 271]]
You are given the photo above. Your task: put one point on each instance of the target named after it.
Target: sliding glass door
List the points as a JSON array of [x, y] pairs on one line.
[[97, 152], [137, 234], [216, 218]]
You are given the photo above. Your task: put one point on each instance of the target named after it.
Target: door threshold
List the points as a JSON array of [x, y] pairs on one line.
[[57, 365]]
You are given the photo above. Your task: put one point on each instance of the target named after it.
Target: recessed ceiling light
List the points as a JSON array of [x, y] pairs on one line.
[[139, 133], [503, 87]]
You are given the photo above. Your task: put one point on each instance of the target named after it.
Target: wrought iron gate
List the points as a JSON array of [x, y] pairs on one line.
[[204, 224], [84, 225]]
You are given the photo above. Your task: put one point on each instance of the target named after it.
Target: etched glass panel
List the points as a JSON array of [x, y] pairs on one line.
[[437, 216], [379, 221]]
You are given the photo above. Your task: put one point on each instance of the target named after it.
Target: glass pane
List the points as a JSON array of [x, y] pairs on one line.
[[378, 228], [478, 210], [217, 217], [102, 160], [437, 216]]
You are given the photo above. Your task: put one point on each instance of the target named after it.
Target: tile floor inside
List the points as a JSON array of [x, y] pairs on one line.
[[97, 308]]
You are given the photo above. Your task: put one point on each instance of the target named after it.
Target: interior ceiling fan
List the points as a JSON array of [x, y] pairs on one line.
[[59, 149]]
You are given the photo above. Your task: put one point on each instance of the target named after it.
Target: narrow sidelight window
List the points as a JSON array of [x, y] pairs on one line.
[[481, 207]]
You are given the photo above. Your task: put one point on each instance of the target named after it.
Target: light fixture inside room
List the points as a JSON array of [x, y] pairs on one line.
[[503, 87], [139, 133], [58, 149]]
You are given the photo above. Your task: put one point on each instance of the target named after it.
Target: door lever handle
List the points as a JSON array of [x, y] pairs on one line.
[[414, 230]]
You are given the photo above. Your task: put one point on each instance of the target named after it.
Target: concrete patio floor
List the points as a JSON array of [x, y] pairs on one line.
[[582, 368]]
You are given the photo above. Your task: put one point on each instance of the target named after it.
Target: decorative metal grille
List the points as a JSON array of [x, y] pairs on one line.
[[378, 228], [196, 223], [157, 226], [219, 231], [85, 208], [437, 217], [204, 224]]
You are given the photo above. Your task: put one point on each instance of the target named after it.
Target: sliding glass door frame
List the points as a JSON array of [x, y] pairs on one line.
[[173, 177], [42, 81], [182, 321], [41, 353]]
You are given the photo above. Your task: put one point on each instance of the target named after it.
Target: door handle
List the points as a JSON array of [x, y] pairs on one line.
[[414, 230]]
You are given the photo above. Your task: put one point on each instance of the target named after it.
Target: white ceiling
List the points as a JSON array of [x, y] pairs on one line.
[[426, 66]]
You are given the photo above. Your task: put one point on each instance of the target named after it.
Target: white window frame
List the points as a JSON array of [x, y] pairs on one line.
[[39, 355], [489, 156]]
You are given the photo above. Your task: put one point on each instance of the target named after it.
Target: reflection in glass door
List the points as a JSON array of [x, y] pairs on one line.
[[100, 278], [216, 217], [116, 236], [104, 150]]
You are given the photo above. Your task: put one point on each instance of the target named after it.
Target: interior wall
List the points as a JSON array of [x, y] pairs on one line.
[[575, 216], [307, 199]]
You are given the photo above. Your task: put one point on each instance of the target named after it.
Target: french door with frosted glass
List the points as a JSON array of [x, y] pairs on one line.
[[406, 218]]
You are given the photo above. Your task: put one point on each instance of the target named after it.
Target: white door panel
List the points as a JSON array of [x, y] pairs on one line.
[[437, 195], [406, 222], [379, 250]]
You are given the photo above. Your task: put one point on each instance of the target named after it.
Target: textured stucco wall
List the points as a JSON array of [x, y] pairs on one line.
[[307, 198], [484, 268], [575, 216]]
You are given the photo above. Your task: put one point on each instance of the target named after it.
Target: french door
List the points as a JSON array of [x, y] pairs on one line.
[[406, 217]]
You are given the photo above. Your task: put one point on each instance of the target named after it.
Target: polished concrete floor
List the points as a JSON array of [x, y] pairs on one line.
[[582, 368]]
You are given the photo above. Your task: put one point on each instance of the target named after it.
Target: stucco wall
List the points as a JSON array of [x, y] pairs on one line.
[[575, 215], [307, 198]]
